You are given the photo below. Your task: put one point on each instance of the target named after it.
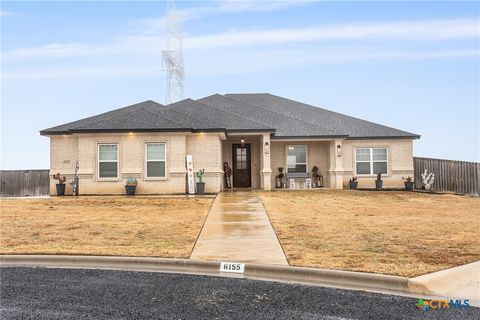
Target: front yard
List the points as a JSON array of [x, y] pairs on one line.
[[398, 233], [156, 227]]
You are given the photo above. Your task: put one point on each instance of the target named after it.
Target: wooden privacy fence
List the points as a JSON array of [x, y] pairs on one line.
[[21, 183], [460, 177]]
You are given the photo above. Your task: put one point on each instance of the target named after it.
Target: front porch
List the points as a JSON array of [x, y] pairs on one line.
[[255, 159]]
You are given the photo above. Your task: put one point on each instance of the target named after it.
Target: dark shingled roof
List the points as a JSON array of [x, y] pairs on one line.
[[353, 127], [233, 113]]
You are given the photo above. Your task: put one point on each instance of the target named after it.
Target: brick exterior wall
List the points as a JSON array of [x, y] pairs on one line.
[[65, 150], [209, 150], [323, 155]]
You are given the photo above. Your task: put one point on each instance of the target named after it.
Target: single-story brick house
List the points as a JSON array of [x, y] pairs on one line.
[[254, 133]]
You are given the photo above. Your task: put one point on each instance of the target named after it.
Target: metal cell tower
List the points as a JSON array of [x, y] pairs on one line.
[[173, 55]]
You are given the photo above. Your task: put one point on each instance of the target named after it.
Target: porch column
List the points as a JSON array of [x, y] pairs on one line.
[[266, 173], [336, 165]]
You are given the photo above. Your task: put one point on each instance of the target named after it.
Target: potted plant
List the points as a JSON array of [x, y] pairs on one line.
[[279, 178], [409, 184], [379, 182], [200, 183], [353, 182], [130, 186], [315, 176], [60, 185]]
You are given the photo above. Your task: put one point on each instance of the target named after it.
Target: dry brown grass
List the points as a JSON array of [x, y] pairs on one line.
[[154, 227], [399, 233]]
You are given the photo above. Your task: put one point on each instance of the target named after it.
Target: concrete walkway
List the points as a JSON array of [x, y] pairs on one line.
[[237, 229], [461, 282]]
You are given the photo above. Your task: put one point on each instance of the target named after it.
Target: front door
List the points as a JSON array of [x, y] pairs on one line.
[[241, 166]]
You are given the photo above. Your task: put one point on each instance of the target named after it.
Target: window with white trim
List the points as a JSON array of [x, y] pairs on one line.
[[297, 159], [370, 161], [155, 160], [108, 161]]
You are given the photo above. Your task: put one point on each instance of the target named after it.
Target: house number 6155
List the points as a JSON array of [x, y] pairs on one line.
[[232, 267]]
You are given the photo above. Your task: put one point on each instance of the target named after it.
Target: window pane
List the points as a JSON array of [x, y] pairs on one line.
[[107, 170], [155, 151], [363, 167], [156, 169], [299, 153], [379, 167], [299, 168], [363, 154], [107, 152], [380, 154]]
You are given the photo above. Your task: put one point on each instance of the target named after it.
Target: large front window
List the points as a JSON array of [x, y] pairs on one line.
[[297, 159], [370, 161], [155, 158], [108, 161]]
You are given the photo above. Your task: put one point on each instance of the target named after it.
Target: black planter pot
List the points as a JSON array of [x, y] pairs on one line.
[[60, 189], [278, 182], [353, 184], [409, 185], [378, 184], [200, 187], [130, 190]]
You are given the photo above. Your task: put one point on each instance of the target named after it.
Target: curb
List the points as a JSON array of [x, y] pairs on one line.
[[310, 276]]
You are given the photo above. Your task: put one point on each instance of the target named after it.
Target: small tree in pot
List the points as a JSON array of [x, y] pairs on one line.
[[130, 186], [379, 182], [200, 183], [60, 185], [353, 183], [279, 178], [409, 184]]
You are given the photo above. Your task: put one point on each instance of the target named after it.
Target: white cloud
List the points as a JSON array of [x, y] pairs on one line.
[[420, 30], [55, 50], [234, 63], [7, 13], [437, 30], [241, 51], [244, 6], [154, 26]]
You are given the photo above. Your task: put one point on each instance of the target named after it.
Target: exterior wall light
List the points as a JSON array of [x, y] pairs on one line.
[[266, 148], [339, 150]]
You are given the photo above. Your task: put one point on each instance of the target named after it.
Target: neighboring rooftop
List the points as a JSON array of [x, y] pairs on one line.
[[260, 112]]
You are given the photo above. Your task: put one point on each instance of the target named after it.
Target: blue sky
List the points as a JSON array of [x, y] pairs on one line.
[[409, 65]]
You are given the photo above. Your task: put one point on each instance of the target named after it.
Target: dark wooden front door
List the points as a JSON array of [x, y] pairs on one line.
[[241, 166]]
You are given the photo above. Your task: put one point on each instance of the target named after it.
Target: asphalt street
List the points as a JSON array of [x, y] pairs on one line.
[[41, 293]]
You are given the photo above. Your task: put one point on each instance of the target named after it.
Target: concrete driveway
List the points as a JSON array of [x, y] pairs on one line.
[[237, 229]]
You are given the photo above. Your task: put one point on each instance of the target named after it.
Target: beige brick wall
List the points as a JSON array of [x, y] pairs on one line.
[[209, 150], [317, 155], [400, 161], [206, 151]]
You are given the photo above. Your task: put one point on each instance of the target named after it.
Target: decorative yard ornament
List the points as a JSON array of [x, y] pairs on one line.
[[75, 180], [427, 179], [200, 174]]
